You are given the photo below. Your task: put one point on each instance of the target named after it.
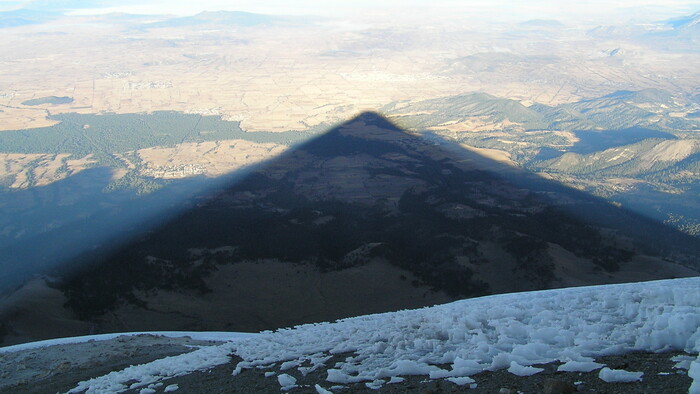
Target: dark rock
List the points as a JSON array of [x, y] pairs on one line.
[[555, 386]]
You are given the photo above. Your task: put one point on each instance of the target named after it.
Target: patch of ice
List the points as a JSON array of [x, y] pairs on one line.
[[240, 366], [396, 379], [171, 388], [317, 361], [460, 367], [287, 382], [288, 365], [619, 376], [145, 374], [521, 370], [321, 390], [376, 384], [579, 366], [682, 361], [694, 373], [461, 381], [199, 336], [268, 374]]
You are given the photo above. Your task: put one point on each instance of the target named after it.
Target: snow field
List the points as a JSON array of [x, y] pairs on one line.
[[513, 331], [146, 374], [200, 336]]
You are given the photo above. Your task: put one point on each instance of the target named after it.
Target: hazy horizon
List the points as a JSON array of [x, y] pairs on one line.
[[496, 11]]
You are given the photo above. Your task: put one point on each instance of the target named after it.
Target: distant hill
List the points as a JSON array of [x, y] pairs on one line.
[[677, 34], [622, 109], [650, 155], [226, 18], [684, 32], [686, 22], [23, 17], [454, 109], [649, 137], [542, 23]]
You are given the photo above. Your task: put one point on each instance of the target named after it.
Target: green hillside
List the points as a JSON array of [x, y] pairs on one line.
[[81, 135], [431, 113], [649, 137]]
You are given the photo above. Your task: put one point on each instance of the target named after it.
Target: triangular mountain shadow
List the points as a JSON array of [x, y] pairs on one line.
[[365, 218], [48, 226]]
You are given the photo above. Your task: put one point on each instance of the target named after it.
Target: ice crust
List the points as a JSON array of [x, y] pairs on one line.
[[461, 381], [286, 381], [196, 335], [619, 375], [579, 366], [521, 370], [321, 390], [694, 373], [488, 333]]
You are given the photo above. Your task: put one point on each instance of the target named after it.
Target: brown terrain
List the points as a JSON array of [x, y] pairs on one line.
[[473, 201], [487, 157], [365, 218]]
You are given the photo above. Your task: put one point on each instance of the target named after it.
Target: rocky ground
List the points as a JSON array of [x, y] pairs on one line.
[[59, 368], [659, 377]]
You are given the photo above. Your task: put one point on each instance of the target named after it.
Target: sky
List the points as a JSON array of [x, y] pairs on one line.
[[491, 9]]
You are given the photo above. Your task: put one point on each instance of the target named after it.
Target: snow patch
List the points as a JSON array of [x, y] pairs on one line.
[[682, 361], [579, 366], [287, 382], [288, 365], [513, 331], [198, 336], [461, 381], [145, 374], [376, 384], [321, 390], [619, 376], [521, 370], [694, 373]]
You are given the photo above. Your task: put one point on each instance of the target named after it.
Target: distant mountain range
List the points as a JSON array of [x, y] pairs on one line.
[[651, 108], [677, 34], [23, 17], [686, 22], [228, 18], [649, 136], [36, 15]]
